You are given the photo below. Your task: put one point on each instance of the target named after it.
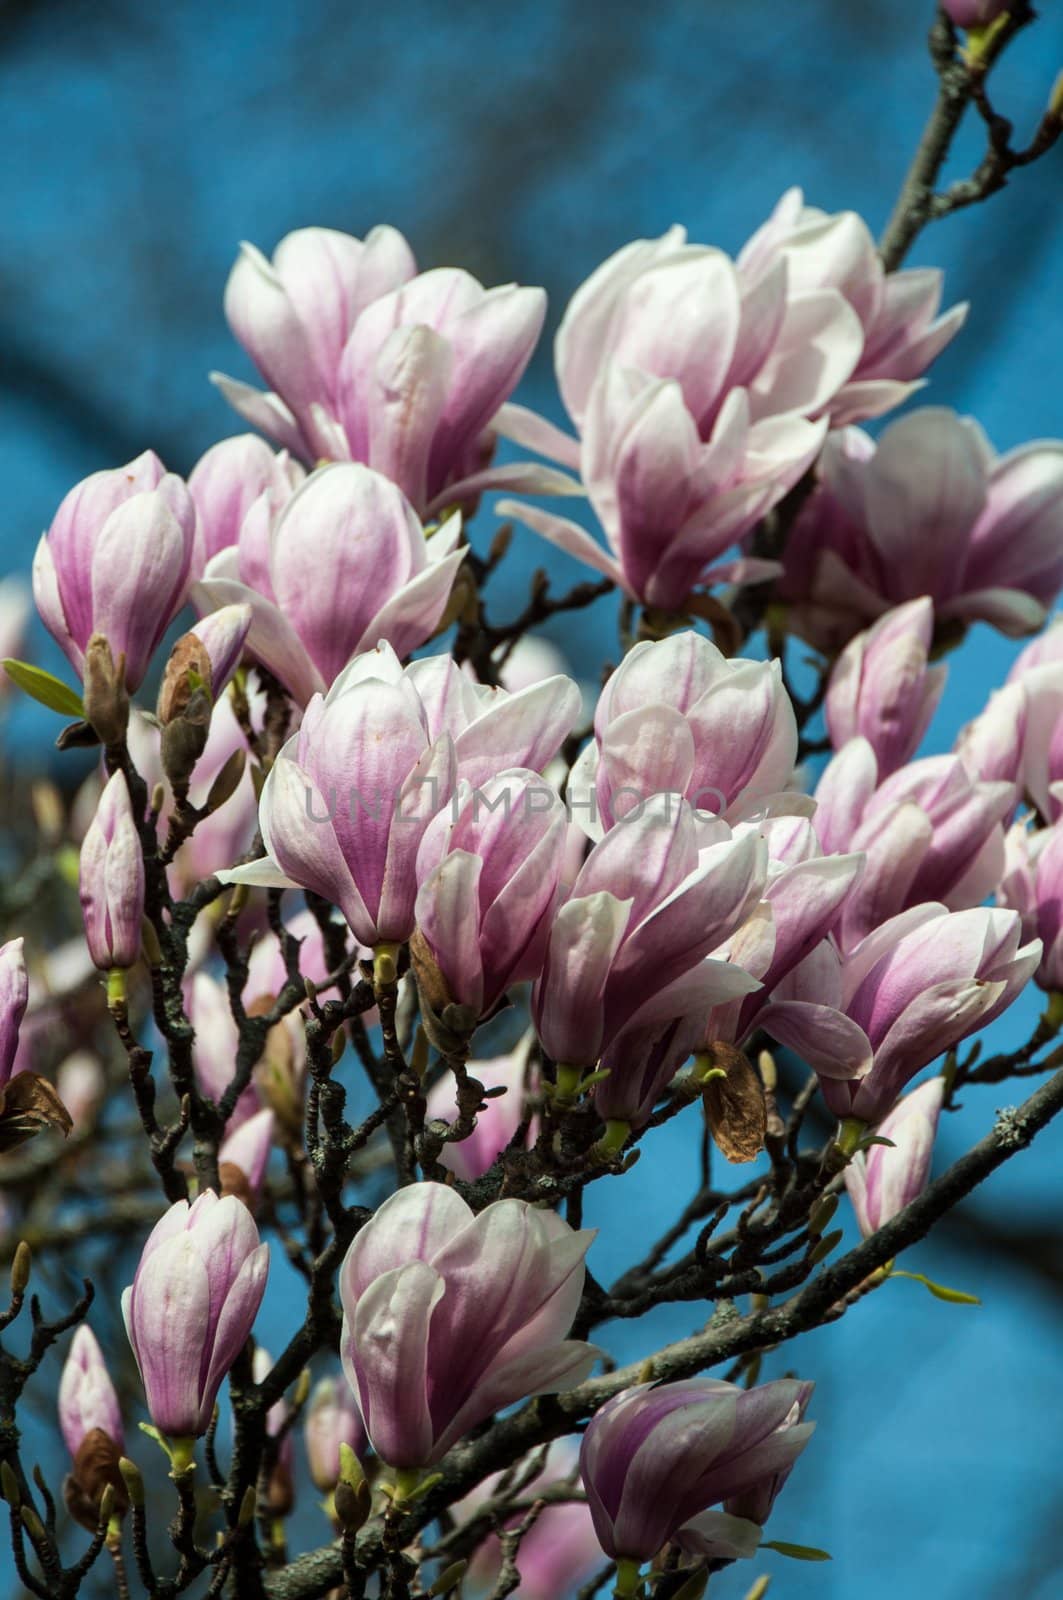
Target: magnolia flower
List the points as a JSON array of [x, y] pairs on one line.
[[215, 1046], [803, 896], [884, 1179], [344, 565], [496, 1122], [116, 561], [929, 832], [627, 950], [914, 988], [557, 1553], [348, 799], [975, 13], [449, 1317], [489, 872], [230, 478], [81, 1085], [15, 606], [993, 746], [898, 311], [111, 880], [882, 688], [930, 510], [14, 998], [280, 1482], [191, 1305], [493, 728], [692, 389], [203, 659], [87, 1398], [1032, 885], [373, 362], [243, 1155], [332, 1419], [656, 1458], [677, 715], [90, 1421]]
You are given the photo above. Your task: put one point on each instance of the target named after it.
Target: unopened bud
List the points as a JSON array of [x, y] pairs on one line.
[[105, 697], [32, 1523], [21, 1267], [185, 738], [9, 1485], [227, 782], [821, 1213], [352, 1506], [1055, 100], [246, 1514], [822, 1250], [107, 1499], [449, 1578], [133, 1481]]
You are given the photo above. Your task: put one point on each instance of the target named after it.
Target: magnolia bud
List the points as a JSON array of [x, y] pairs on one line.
[[185, 738], [111, 880], [105, 697]]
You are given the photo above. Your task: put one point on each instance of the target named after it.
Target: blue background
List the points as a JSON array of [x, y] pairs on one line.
[[526, 142]]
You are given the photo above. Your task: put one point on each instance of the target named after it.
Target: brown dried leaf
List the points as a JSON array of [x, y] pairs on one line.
[[30, 1104], [189, 662], [95, 1466], [430, 981], [735, 1105]]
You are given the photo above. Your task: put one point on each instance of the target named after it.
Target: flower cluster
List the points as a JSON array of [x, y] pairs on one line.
[[626, 880]]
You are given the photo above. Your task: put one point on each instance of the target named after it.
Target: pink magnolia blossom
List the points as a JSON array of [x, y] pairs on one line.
[[803, 897], [556, 1554], [191, 1306], [116, 561], [489, 874], [347, 565], [692, 389], [677, 715], [81, 1085], [370, 361], [975, 13], [628, 959], [898, 311], [881, 686], [929, 832], [993, 746], [14, 998], [230, 478], [15, 607], [884, 1179], [87, 1397], [930, 511], [657, 1457], [449, 1317], [246, 1149], [496, 1124], [216, 1042], [915, 987], [347, 801], [1032, 885], [332, 1419], [111, 880]]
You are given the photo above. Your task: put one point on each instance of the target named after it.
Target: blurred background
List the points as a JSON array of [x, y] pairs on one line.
[[526, 142]]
